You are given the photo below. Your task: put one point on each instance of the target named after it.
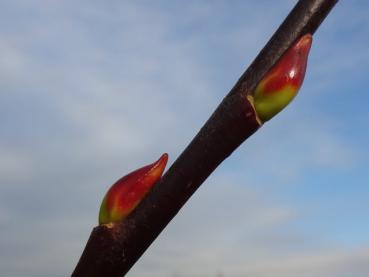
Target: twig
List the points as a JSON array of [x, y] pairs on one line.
[[113, 250]]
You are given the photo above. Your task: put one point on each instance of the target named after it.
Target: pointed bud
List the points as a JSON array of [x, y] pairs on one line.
[[281, 84], [128, 192]]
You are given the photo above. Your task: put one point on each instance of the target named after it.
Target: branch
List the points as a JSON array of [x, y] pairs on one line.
[[113, 249]]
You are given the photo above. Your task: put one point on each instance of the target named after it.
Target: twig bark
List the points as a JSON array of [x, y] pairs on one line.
[[113, 250]]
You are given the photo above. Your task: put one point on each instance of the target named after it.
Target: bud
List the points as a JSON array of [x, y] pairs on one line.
[[128, 192], [281, 84]]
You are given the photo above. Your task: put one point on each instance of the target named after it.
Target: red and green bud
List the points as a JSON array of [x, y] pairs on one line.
[[281, 84], [128, 192]]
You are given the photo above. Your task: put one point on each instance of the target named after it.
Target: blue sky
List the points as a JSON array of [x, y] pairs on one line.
[[91, 90]]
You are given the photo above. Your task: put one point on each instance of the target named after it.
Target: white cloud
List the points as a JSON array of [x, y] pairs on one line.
[[14, 166], [100, 88], [232, 230]]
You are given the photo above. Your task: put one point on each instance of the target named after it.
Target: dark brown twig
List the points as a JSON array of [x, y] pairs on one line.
[[112, 251]]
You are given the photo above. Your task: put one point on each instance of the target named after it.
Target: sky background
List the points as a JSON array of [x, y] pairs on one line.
[[91, 90]]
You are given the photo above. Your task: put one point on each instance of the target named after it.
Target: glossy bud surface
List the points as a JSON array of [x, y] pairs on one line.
[[128, 192], [281, 84]]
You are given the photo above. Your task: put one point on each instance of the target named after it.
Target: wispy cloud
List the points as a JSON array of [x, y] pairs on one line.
[[90, 91]]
